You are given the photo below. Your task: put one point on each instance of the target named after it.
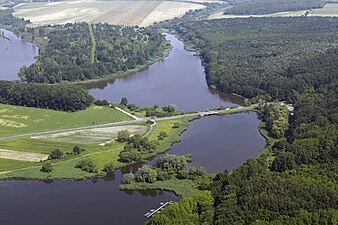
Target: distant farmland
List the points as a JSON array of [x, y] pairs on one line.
[[141, 13]]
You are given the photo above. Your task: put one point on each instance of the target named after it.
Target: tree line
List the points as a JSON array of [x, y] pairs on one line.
[[258, 7], [63, 97], [76, 52]]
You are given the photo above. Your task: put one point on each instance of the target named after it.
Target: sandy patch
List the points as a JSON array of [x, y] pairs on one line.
[[22, 156], [93, 136], [15, 117], [169, 10], [10, 123]]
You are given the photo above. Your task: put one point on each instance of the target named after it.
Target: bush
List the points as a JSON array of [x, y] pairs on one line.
[[46, 167], [101, 102], [196, 172], [56, 154], [146, 174], [123, 136], [182, 174], [86, 165], [129, 156], [109, 168], [163, 175], [176, 125], [162, 135], [77, 150], [128, 178]]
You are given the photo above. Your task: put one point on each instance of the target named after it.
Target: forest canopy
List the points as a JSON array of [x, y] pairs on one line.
[[81, 51], [272, 57], [258, 7], [63, 97]]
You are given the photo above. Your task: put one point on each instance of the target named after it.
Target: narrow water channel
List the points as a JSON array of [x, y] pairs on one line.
[[14, 53]]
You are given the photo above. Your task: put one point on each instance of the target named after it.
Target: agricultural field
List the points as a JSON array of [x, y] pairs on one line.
[[15, 120], [330, 9], [99, 136], [142, 13]]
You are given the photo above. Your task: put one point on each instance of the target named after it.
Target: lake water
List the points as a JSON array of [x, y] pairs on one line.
[[14, 53], [216, 143]]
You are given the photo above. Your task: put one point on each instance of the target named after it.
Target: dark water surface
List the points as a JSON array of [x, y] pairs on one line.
[[220, 142], [14, 53], [75, 202], [178, 79]]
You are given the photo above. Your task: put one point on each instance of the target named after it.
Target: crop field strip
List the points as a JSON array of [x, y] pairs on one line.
[[141, 13]]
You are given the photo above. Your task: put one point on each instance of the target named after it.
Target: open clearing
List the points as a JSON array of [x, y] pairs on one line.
[[92, 136], [330, 9], [16, 120], [131, 13], [22, 156]]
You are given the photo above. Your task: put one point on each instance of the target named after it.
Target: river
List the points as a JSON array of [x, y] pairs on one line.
[[216, 143], [177, 79], [14, 53]]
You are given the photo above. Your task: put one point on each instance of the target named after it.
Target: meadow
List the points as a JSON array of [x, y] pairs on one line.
[[141, 13], [15, 120]]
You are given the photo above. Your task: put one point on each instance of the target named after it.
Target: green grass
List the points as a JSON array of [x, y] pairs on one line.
[[182, 188], [64, 168], [39, 146], [92, 39], [173, 134], [267, 150], [8, 164], [16, 120]]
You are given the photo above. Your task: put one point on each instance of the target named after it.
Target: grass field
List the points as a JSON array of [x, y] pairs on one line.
[[64, 168], [16, 120], [330, 9], [141, 13]]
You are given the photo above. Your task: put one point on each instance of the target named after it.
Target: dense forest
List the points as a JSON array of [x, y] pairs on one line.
[[257, 7], [294, 180], [58, 97], [8, 21], [274, 58], [82, 51]]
